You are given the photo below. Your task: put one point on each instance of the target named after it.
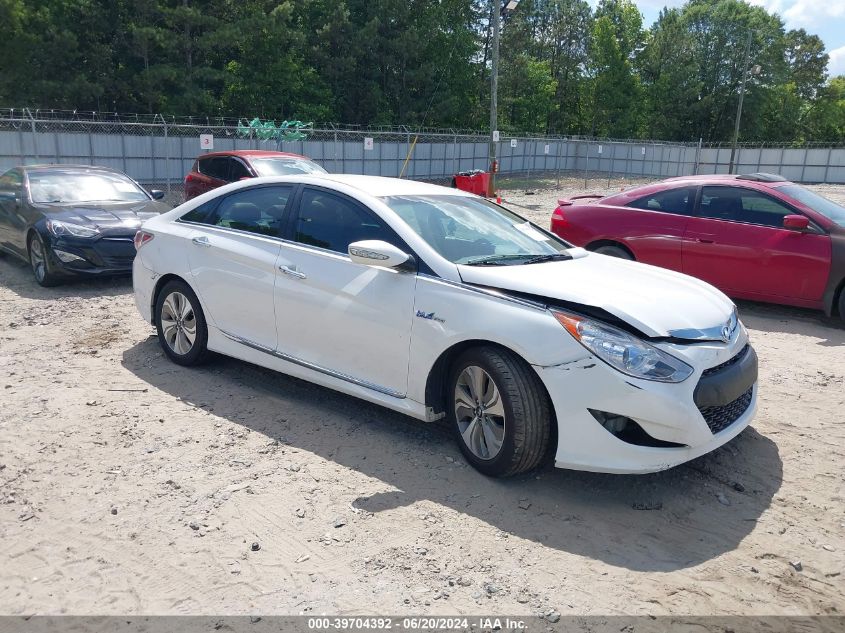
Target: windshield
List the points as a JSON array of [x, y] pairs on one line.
[[474, 231], [285, 166], [83, 186], [817, 203]]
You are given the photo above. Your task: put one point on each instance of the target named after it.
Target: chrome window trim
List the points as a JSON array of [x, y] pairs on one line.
[[280, 240], [314, 367], [227, 229]]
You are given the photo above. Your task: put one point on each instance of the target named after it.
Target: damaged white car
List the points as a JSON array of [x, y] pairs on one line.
[[434, 302]]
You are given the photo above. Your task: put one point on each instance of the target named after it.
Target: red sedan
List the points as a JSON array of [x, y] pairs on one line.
[[756, 237], [215, 169]]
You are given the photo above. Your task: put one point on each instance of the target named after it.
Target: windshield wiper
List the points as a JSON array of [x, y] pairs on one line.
[[496, 260], [556, 257]]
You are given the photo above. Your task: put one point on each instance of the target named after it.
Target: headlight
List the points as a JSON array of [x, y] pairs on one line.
[[67, 228], [623, 351]]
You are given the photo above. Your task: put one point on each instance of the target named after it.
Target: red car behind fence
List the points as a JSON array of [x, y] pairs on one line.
[[216, 169]]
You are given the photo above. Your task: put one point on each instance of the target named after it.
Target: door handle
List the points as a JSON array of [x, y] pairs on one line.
[[703, 240], [201, 241], [292, 272]]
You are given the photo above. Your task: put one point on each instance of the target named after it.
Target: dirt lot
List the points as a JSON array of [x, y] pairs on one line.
[[131, 485]]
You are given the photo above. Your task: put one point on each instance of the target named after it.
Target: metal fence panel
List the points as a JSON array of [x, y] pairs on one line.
[[160, 153]]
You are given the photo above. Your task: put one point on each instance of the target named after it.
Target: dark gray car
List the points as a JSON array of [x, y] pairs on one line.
[[73, 220]]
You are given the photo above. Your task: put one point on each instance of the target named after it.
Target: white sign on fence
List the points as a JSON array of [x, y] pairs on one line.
[[495, 136], [545, 149], [513, 142], [643, 152], [368, 143], [206, 141], [600, 149]]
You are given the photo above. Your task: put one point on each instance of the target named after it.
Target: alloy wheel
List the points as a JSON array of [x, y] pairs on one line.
[[37, 259], [479, 412], [178, 323]]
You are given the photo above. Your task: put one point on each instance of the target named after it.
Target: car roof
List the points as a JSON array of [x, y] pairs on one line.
[[246, 153], [752, 181], [46, 166], [764, 179], [381, 186]]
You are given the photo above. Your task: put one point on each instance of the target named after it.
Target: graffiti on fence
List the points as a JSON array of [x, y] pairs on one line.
[[269, 131]]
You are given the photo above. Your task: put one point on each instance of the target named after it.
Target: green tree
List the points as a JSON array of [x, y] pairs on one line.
[[528, 90], [825, 118], [616, 90], [671, 81]]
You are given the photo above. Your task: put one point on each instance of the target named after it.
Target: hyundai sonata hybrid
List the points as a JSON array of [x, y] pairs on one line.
[[441, 304]]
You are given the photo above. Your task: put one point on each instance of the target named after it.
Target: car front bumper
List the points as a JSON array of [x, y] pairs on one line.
[[108, 255], [667, 412]]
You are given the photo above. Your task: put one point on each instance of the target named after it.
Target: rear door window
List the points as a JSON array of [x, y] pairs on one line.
[[678, 201], [237, 170], [214, 167], [259, 210]]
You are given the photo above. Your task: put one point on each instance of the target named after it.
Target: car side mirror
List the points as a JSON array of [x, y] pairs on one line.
[[157, 194], [796, 222], [378, 253]]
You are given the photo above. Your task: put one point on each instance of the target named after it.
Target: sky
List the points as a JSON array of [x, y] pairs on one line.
[[825, 18]]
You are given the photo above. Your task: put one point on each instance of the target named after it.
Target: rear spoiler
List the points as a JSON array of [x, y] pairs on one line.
[[568, 202]]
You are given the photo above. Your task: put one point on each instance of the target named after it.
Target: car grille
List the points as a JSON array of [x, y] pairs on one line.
[[732, 361], [116, 262], [720, 418], [116, 251]]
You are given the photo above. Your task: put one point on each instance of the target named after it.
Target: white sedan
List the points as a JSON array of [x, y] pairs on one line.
[[438, 303]]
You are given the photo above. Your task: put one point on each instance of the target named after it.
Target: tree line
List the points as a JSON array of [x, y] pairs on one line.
[[565, 68]]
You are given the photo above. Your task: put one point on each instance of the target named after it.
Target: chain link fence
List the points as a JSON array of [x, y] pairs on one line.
[[159, 151]]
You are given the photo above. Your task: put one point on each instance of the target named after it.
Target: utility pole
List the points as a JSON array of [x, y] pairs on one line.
[[496, 17], [741, 98]]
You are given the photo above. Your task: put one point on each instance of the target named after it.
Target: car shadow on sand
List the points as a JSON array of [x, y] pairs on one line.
[[17, 276], [790, 320], [658, 522]]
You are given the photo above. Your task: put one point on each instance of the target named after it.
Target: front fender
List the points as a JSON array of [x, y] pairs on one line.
[[449, 314]]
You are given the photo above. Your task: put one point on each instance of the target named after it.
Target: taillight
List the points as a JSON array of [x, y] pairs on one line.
[[191, 177], [141, 238], [558, 219]]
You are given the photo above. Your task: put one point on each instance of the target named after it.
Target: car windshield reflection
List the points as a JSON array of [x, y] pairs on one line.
[[469, 230]]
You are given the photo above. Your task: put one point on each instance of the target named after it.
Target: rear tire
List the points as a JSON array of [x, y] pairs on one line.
[[614, 251], [499, 411], [39, 262], [181, 326]]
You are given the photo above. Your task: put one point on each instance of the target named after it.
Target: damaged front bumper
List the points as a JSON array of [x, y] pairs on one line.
[[674, 422]]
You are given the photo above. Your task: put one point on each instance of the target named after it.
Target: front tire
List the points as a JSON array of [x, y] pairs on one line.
[[499, 411], [181, 326], [39, 262]]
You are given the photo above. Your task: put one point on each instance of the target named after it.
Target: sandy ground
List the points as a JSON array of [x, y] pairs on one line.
[[131, 485]]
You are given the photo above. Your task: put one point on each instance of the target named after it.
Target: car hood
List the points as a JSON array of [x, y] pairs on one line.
[[656, 301], [105, 215]]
